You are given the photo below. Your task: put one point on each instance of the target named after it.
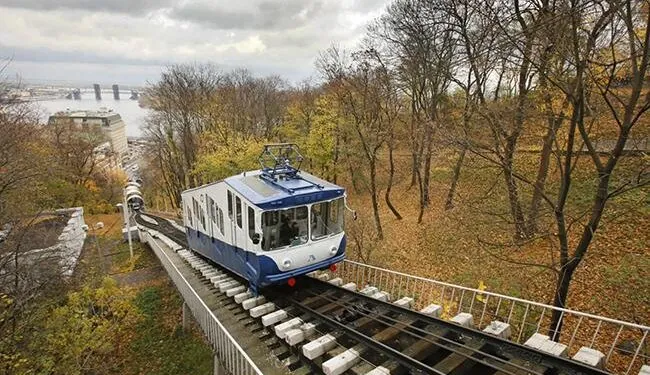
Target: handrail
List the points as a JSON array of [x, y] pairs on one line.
[[620, 342], [523, 301], [202, 311]]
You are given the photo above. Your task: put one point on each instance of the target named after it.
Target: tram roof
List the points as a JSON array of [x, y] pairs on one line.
[[278, 193]]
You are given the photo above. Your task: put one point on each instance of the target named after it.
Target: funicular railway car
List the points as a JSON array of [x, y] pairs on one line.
[[133, 196], [268, 225]]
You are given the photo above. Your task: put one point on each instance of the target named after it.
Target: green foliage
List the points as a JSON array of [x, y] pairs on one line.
[[160, 347], [297, 123], [322, 141], [88, 333], [217, 161]]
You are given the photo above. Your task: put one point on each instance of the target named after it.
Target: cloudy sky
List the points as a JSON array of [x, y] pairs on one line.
[[128, 41]]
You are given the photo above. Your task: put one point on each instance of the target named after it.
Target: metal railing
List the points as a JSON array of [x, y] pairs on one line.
[[232, 357], [625, 345]]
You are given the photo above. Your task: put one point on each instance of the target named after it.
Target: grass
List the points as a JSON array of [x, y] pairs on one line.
[[160, 346]]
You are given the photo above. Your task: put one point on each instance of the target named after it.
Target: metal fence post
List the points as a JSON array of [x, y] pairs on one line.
[[218, 369], [186, 317]]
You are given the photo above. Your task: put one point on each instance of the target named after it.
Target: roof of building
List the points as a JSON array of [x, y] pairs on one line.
[[101, 114], [268, 193]]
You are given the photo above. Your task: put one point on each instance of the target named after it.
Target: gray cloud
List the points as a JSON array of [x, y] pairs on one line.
[[266, 36], [265, 15], [116, 6], [52, 55]]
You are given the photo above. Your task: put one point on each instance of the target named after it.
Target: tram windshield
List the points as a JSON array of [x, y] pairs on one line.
[[327, 218], [283, 228], [291, 227]]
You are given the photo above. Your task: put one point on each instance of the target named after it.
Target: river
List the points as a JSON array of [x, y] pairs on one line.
[[132, 114]]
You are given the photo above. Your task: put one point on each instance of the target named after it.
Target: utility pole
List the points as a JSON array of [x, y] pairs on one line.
[[127, 221]]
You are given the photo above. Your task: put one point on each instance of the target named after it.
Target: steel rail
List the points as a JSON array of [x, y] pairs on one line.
[[386, 320], [403, 359], [497, 341]]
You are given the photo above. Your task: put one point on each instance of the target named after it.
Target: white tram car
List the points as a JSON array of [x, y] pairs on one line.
[[269, 225]]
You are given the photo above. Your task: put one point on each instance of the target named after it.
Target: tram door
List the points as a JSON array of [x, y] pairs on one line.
[[233, 217], [209, 208], [250, 232]]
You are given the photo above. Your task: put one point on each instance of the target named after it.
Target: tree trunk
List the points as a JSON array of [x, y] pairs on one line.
[[352, 177], [375, 203], [414, 168], [542, 173], [414, 147], [422, 205], [561, 294], [391, 173], [553, 124], [336, 160], [513, 197], [449, 204], [426, 181], [427, 167]]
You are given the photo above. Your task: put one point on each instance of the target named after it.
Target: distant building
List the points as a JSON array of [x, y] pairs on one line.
[[105, 158], [111, 124]]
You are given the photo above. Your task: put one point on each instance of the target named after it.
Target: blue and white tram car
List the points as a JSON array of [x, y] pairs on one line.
[[269, 225]]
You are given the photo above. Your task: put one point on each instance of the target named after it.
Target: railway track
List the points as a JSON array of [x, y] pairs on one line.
[[164, 226], [319, 327], [404, 341]]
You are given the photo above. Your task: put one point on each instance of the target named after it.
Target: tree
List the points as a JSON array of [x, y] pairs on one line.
[[476, 60], [22, 157], [615, 26], [323, 139], [357, 88], [195, 103], [418, 46], [183, 105], [77, 151], [87, 334], [580, 71]]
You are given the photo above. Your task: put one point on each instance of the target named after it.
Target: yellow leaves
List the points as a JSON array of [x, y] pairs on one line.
[[296, 123], [449, 310], [129, 264], [481, 287], [322, 139], [91, 186], [5, 300], [224, 160], [88, 327]]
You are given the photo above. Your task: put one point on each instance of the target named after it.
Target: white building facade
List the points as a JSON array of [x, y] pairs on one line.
[[110, 122]]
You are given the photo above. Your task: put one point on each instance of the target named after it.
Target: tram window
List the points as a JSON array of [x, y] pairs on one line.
[[283, 228], [251, 222], [239, 211], [221, 221], [202, 211], [229, 204], [197, 216], [271, 218], [189, 215], [301, 213], [326, 219], [213, 211]]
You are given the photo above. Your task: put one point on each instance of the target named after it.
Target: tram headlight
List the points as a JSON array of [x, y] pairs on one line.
[[286, 263], [333, 250]]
